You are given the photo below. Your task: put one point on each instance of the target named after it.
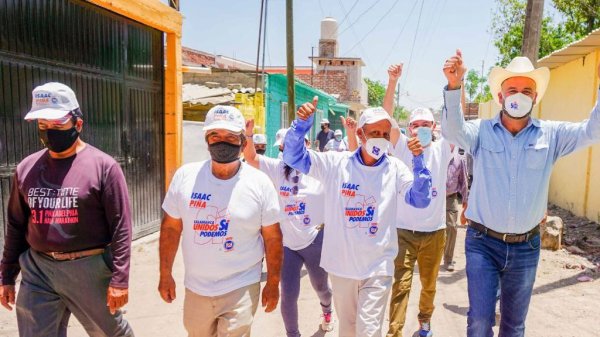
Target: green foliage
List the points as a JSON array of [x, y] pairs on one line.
[[473, 85], [401, 113], [508, 24], [376, 92], [582, 16]]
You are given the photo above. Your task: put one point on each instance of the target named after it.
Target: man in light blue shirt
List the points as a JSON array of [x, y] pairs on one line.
[[513, 158]]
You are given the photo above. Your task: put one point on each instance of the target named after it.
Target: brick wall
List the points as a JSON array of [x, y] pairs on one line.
[[332, 82], [191, 56]]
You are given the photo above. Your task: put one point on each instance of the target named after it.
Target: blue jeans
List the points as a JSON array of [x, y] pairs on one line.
[[491, 264], [293, 260]]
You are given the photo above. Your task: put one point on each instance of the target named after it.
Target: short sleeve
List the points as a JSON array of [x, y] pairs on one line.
[[401, 151], [171, 204], [271, 167], [271, 211]]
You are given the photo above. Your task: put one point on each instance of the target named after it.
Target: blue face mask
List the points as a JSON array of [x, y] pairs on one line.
[[425, 136]]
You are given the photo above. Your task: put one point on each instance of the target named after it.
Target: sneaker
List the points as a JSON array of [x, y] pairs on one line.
[[327, 322], [425, 330], [450, 266]]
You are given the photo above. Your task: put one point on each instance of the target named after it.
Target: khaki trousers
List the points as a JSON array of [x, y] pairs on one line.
[[228, 315], [427, 249], [360, 304], [451, 225]]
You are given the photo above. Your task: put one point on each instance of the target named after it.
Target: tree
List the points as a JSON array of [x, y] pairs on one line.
[[507, 27], [376, 92], [473, 85], [582, 16], [400, 113]]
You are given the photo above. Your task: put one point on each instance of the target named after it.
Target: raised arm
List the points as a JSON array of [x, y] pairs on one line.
[[295, 153], [350, 126], [394, 73], [249, 151], [454, 127]]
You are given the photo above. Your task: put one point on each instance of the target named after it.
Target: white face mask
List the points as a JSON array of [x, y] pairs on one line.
[[518, 105], [377, 147]]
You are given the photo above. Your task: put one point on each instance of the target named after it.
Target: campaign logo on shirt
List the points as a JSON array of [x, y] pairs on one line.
[[229, 244], [211, 226], [298, 207], [373, 229], [434, 192], [286, 191], [199, 200], [360, 212], [349, 189]]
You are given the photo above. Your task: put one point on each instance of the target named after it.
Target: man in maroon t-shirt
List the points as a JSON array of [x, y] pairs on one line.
[[69, 228]]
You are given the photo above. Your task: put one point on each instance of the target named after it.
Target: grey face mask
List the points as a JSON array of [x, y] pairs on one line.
[[224, 153]]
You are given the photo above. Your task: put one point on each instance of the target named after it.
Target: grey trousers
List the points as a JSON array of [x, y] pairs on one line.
[[451, 223], [51, 290]]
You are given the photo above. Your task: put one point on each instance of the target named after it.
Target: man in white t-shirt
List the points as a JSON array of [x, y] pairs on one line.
[[362, 190], [260, 143], [421, 232], [337, 143], [227, 214]]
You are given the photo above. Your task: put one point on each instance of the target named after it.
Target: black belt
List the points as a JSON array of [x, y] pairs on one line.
[[508, 238]]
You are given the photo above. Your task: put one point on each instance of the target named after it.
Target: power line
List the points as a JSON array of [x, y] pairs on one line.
[[348, 14], [354, 33], [359, 17], [397, 37], [435, 27], [322, 11], [375, 26], [412, 49]]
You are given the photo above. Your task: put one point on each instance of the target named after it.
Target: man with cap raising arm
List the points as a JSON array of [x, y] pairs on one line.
[[69, 228], [513, 158], [362, 189], [228, 213]]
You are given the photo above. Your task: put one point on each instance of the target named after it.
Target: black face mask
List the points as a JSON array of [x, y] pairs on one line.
[[261, 151], [59, 140], [323, 127], [224, 153]]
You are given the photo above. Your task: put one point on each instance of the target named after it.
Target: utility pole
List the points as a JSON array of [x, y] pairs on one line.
[[533, 29], [481, 79], [312, 64], [260, 26], [289, 29], [264, 45]]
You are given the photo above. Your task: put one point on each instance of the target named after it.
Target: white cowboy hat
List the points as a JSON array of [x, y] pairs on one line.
[[519, 67]]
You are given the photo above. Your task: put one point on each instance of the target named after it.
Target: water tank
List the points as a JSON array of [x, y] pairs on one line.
[[329, 28]]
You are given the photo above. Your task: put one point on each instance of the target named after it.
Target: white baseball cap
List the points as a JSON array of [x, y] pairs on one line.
[[374, 115], [52, 101], [280, 136], [421, 114], [224, 117], [337, 132], [259, 139], [324, 121]]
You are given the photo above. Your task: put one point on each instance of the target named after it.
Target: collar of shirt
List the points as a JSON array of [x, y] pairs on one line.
[[360, 160]]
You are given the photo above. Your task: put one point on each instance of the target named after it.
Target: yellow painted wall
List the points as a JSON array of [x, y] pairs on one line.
[[252, 107], [570, 97]]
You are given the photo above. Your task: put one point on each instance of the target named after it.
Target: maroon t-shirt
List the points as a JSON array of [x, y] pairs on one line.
[[67, 205]]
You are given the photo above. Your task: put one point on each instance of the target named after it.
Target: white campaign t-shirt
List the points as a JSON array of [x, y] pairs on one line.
[[301, 203], [335, 145], [437, 157], [360, 238], [221, 241]]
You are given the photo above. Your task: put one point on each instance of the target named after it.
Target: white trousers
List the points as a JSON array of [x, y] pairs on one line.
[[360, 304]]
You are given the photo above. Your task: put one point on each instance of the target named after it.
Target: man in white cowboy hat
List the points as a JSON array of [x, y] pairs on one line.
[[226, 214], [513, 158], [362, 189]]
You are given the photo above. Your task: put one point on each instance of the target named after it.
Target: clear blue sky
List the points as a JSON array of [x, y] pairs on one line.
[[231, 28]]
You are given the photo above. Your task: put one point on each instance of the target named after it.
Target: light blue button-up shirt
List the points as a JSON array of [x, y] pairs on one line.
[[511, 174]]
